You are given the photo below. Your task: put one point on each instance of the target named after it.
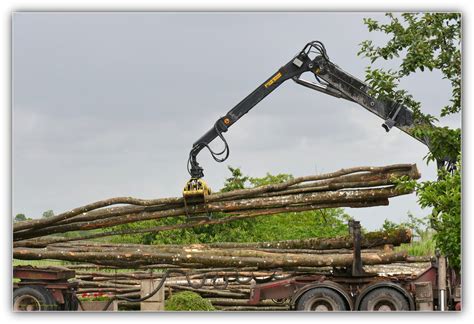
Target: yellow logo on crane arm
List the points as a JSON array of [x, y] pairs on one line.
[[272, 80]]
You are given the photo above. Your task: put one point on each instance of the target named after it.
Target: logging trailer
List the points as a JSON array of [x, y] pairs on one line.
[[353, 289], [340, 289]]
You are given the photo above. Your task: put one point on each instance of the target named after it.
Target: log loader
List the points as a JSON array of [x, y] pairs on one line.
[[355, 290], [330, 79]]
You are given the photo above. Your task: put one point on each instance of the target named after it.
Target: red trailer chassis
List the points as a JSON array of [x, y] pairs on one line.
[[44, 289], [417, 293], [354, 289]]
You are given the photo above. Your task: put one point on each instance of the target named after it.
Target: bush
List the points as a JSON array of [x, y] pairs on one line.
[[188, 301]]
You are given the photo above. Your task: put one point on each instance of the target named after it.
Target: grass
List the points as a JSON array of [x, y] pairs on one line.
[[422, 245], [38, 263]]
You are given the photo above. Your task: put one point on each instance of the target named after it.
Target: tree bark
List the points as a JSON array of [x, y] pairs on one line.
[[261, 260]]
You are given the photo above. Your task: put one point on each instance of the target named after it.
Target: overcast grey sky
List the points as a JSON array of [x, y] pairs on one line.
[[109, 104]]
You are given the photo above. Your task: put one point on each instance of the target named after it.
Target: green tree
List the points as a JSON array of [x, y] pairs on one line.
[[270, 179], [236, 181], [419, 43], [48, 213], [19, 218], [444, 197], [416, 225]]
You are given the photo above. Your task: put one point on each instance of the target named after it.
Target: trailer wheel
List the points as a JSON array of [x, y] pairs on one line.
[[321, 300], [384, 300], [33, 298]]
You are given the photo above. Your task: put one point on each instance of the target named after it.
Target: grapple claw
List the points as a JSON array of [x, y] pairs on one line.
[[196, 190]]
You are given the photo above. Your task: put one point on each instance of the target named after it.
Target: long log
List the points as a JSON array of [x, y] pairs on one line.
[[238, 194], [340, 244], [262, 260], [155, 229], [173, 210], [267, 205], [246, 202], [255, 250], [369, 240], [108, 290], [330, 184], [94, 284]]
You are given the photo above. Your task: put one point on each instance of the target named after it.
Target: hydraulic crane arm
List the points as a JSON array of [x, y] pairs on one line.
[[350, 88], [330, 79], [294, 68]]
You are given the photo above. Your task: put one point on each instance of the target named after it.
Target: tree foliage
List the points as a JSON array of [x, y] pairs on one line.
[[415, 224], [19, 218], [47, 214], [444, 197], [419, 43]]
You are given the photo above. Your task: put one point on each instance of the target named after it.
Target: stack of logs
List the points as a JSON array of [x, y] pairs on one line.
[[228, 288], [354, 187], [231, 293], [313, 252]]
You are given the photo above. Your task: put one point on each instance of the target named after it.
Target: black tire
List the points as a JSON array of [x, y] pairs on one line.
[[33, 298], [384, 300], [321, 300]]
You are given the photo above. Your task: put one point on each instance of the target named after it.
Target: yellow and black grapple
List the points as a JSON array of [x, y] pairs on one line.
[[196, 190]]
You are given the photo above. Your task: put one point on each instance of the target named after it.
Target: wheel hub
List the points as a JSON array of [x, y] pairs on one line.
[[384, 308], [322, 308], [321, 305], [27, 303]]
